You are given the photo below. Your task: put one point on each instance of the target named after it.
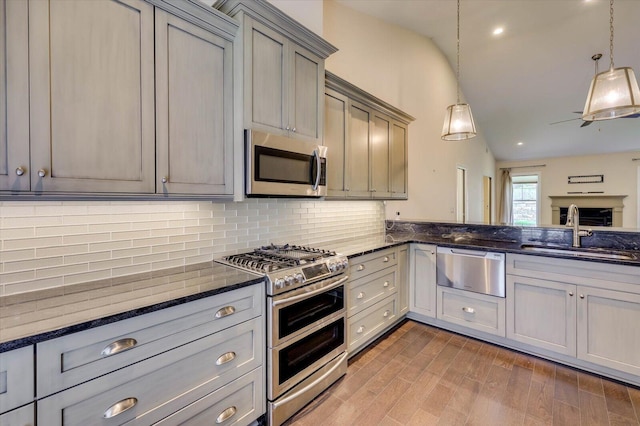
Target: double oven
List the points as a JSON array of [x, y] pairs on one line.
[[306, 314]]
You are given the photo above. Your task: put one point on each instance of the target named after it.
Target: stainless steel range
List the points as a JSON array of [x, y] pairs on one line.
[[306, 314]]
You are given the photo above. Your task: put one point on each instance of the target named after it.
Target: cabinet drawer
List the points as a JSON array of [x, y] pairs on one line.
[[238, 403], [76, 358], [477, 311], [370, 289], [23, 416], [367, 324], [16, 378], [364, 265], [159, 386]]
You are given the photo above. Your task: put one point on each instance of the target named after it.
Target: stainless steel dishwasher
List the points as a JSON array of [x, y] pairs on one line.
[[472, 270]]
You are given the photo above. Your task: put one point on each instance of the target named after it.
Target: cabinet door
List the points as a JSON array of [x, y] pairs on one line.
[[403, 280], [23, 416], [305, 94], [266, 60], [542, 313], [92, 96], [14, 96], [398, 161], [422, 286], [380, 139], [335, 132], [194, 109], [358, 151], [608, 332]]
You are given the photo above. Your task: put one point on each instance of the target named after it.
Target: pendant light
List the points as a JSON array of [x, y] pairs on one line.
[[458, 120], [613, 93]]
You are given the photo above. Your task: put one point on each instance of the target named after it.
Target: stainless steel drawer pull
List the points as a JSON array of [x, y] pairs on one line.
[[119, 346], [360, 267], [386, 313], [469, 310], [386, 284], [120, 407], [361, 295], [20, 171], [360, 329], [582, 296], [386, 259], [225, 358], [570, 293], [226, 414], [225, 312]]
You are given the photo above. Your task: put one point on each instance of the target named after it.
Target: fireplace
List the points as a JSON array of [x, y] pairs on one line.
[[595, 210]]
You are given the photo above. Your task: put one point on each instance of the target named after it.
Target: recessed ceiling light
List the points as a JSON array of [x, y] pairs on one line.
[[498, 31], [520, 143]]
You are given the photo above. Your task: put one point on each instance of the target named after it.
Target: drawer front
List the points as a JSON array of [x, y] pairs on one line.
[[153, 389], [477, 311], [364, 265], [367, 291], [239, 403], [16, 378], [367, 324], [76, 358], [23, 416]]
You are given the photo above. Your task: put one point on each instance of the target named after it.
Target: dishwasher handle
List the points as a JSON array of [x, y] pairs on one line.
[[471, 253]]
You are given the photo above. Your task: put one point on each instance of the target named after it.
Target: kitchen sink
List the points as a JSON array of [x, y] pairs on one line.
[[580, 252]]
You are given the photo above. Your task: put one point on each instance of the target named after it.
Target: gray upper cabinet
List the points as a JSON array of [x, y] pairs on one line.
[[283, 69], [14, 96], [194, 108], [92, 96], [367, 144]]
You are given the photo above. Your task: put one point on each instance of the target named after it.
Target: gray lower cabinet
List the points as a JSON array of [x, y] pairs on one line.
[[202, 359], [478, 311], [23, 416], [16, 378], [403, 279], [372, 297], [422, 282], [367, 144]]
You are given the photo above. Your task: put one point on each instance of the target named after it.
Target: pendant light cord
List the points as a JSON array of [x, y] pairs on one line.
[[611, 32], [458, 55]]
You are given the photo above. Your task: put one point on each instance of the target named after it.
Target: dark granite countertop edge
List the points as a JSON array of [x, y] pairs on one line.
[[81, 326]]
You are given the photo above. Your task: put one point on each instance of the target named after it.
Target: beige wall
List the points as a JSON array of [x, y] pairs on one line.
[[408, 71], [620, 178]]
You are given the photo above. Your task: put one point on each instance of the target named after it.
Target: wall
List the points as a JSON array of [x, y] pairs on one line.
[[51, 244], [620, 178], [408, 71]]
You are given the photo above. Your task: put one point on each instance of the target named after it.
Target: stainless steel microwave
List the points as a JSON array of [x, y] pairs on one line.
[[277, 166]]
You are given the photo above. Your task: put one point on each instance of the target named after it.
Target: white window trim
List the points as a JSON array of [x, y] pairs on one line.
[[538, 191]]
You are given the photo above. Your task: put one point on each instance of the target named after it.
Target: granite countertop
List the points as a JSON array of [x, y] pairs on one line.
[[36, 316]]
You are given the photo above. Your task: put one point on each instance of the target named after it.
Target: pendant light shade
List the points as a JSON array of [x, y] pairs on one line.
[[613, 93], [458, 120], [458, 123]]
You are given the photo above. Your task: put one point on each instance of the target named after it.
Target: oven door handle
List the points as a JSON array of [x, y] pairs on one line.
[[314, 383], [310, 293], [316, 154]]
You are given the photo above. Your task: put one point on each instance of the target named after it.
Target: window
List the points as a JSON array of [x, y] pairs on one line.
[[526, 199]]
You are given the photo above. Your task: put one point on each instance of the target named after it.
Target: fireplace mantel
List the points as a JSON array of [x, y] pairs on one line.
[[614, 202]]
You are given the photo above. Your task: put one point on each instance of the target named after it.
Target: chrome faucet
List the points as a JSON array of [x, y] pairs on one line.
[[573, 219]]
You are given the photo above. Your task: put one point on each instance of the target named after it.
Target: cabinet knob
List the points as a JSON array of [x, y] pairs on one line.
[[386, 313], [225, 312], [19, 171], [164, 179], [42, 172], [386, 284], [469, 310], [287, 128], [293, 130], [360, 267], [582, 296], [360, 329], [120, 407], [226, 414], [386, 259], [570, 293], [361, 295]]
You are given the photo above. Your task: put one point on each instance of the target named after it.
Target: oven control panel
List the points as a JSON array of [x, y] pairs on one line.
[[295, 277]]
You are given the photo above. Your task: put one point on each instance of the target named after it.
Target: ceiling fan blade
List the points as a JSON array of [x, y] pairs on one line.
[[586, 123]]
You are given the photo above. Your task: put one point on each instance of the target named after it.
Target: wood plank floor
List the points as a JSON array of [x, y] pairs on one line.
[[420, 375]]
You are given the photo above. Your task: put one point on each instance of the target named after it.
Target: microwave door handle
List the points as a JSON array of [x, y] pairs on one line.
[[318, 171]]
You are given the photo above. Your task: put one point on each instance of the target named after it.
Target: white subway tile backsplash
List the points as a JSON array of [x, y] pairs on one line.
[[99, 240]]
